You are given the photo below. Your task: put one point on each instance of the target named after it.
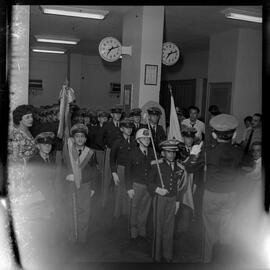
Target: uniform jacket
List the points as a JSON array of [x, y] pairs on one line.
[[138, 167], [110, 133], [88, 169], [121, 151], [158, 135], [223, 167], [41, 175], [173, 180]]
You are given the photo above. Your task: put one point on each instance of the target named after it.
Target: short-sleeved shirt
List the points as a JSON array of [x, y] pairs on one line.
[[199, 126]]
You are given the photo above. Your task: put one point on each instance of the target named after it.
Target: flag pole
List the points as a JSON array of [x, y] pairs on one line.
[[155, 153]]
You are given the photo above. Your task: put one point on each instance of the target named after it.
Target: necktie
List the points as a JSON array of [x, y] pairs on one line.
[[47, 160], [145, 153], [172, 166], [249, 141], [80, 152]]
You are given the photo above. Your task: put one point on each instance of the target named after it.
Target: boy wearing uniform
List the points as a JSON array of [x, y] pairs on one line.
[[157, 130], [81, 168], [137, 180], [110, 132], [167, 198], [136, 114], [119, 156]]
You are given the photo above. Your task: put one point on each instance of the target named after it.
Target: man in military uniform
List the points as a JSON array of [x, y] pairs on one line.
[[110, 132], [138, 169], [119, 156], [167, 197], [193, 161], [223, 163], [136, 114], [41, 177], [81, 171], [157, 130]]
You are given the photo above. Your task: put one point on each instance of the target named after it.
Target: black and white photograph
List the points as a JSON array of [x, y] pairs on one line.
[[133, 135]]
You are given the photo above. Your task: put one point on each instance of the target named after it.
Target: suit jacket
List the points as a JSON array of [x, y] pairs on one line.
[[158, 136], [110, 133]]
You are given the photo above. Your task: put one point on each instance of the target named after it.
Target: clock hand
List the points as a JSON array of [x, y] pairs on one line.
[[110, 50], [170, 54]]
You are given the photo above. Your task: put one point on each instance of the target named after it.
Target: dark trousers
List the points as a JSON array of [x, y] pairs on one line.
[[139, 210], [107, 177], [164, 218], [121, 206], [79, 211]]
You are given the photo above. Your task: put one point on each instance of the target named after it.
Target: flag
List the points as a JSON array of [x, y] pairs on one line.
[[174, 129], [66, 97]]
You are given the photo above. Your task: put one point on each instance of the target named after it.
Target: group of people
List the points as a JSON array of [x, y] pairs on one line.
[[150, 175]]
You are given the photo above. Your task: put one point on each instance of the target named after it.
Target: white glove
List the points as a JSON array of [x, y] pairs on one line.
[[131, 193], [161, 191], [92, 193], [115, 178], [196, 149], [70, 177], [177, 207]]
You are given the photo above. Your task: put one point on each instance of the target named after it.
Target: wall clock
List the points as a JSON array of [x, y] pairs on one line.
[[110, 49], [170, 53]]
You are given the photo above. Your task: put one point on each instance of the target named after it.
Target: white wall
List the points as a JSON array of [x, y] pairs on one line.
[[52, 70], [91, 92], [95, 87]]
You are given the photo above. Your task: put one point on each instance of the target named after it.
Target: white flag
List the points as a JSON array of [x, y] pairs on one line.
[[174, 129]]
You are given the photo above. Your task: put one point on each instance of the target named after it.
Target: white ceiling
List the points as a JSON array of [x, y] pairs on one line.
[[188, 26]]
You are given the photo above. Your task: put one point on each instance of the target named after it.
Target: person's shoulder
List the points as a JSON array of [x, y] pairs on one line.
[[184, 121], [35, 158]]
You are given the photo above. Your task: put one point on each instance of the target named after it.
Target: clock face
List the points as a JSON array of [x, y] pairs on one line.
[[110, 49], [170, 53]]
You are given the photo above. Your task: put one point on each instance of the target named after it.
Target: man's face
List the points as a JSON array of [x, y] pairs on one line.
[[137, 119], [169, 155], [102, 119], [153, 119], [188, 141], [193, 115], [79, 139], [81, 119], [27, 120], [44, 148], [144, 141], [256, 121], [256, 151], [116, 116], [126, 130]]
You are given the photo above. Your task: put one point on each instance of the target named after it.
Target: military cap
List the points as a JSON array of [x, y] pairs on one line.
[[154, 110], [45, 138], [79, 128], [224, 123], [135, 112], [126, 122], [103, 114], [116, 110], [188, 131], [169, 145]]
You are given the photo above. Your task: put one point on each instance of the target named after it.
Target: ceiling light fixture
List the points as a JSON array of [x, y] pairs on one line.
[[75, 12], [242, 15], [57, 40], [48, 51]]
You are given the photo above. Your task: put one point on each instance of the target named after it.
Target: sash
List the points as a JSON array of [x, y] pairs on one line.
[[77, 162]]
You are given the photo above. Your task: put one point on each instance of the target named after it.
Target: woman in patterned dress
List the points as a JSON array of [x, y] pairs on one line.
[[21, 142]]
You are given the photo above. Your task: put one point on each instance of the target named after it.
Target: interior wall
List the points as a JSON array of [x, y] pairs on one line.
[[52, 70], [95, 85], [91, 79]]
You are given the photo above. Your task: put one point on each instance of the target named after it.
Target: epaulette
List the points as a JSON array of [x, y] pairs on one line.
[[159, 161]]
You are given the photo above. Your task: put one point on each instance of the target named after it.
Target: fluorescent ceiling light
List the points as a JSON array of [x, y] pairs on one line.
[[57, 40], [48, 51], [75, 12], [242, 15]]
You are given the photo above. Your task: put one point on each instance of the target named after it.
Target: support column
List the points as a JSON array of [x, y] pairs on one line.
[[143, 30], [19, 58], [75, 74]]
